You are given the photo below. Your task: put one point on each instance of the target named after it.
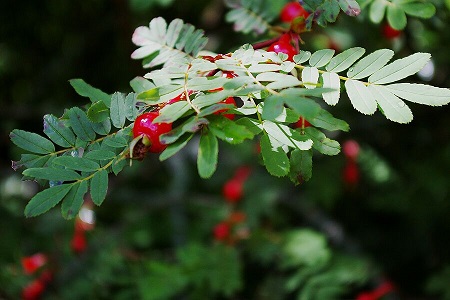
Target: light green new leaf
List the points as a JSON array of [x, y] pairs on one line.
[[73, 200], [301, 166], [100, 155], [86, 90], [393, 107], [377, 10], [331, 81], [173, 32], [396, 16], [423, 10], [45, 200], [99, 187], [310, 77], [57, 131], [173, 148], [31, 142], [52, 174], [98, 112], [370, 64], [421, 93], [76, 163], [361, 97], [321, 57], [274, 157], [118, 110], [81, 125], [400, 68], [208, 151], [278, 80], [321, 143], [344, 60]]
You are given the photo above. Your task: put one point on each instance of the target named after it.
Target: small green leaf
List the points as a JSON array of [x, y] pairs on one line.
[[345, 59], [116, 141], [331, 81], [81, 125], [302, 56], [207, 154], [171, 113], [310, 77], [360, 97], [301, 166], [100, 155], [45, 200], [396, 17], [57, 131], [228, 130], [303, 106], [193, 124], [370, 64], [31, 142], [118, 165], [102, 128], [118, 110], [52, 174], [275, 159], [250, 124], [31, 161], [73, 200], [173, 148], [421, 93], [377, 10], [321, 57], [326, 121], [400, 68], [140, 84], [152, 94], [98, 112], [131, 110], [423, 10], [86, 90], [321, 143], [393, 107], [273, 107], [99, 187], [76, 163]]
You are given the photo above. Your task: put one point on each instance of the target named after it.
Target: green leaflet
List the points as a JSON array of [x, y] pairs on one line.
[[45, 200], [31, 142], [76, 163], [173, 148], [99, 187], [100, 154], [321, 143], [74, 199], [52, 174], [117, 110], [98, 112], [301, 166], [86, 90], [81, 125], [57, 131], [228, 130], [275, 159], [208, 151]]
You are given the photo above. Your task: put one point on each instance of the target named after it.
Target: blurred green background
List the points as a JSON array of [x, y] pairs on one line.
[[157, 221]]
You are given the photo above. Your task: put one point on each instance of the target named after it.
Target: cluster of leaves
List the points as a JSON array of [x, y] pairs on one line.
[[274, 93]]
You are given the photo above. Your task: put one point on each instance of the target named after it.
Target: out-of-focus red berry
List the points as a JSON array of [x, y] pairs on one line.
[[78, 243], [33, 290], [351, 173], [390, 33], [291, 11], [242, 173], [365, 296], [350, 149], [31, 263], [221, 231], [237, 217], [233, 190]]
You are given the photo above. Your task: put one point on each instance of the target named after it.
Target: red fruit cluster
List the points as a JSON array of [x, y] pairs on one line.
[[151, 132], [234, 187], [390, 33], [283, 45], [350, 173], [291, 11], [31, 264]]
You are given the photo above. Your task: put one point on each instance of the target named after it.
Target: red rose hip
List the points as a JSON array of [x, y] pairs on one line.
[[143, 125], [283, 46], [291, 11]]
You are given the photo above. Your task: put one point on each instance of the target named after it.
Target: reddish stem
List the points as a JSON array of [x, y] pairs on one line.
[[265, 44]]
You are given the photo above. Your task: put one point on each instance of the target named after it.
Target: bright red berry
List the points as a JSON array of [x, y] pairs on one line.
[[143, 125], [390, 33], [221, 231], [284, 47], [351, 173], [291, 11], [229, 100], [31, 263], [33, 290], [302, 123], [233, 190], [350, 149]]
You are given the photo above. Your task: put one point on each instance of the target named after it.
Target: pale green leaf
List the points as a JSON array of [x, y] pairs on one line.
[[118, 110], [393, 107], [370, 64], [31, 142], [421, 93], [99, 187], [400, 68], [57, 131], [377, 10], [345, 59], [282, 135], [332, 81], [100, 154], [208, 151], [76, 163], [302, 56], [45, 200], [396, 17], [175, 147], [261, 68], [131, 111], [172, 112], [73, 200], [423, 10], [310, 77], [321, 142], [321, 57], [361, 97], [140, 84], [173, 32]]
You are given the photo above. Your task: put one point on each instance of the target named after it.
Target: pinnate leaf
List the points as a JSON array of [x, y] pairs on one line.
[[421, 93], [321, 57], [31, 142], [344, 60], [360, 97], [370, 64], [393, 107], [81, 125], [46, 199]]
